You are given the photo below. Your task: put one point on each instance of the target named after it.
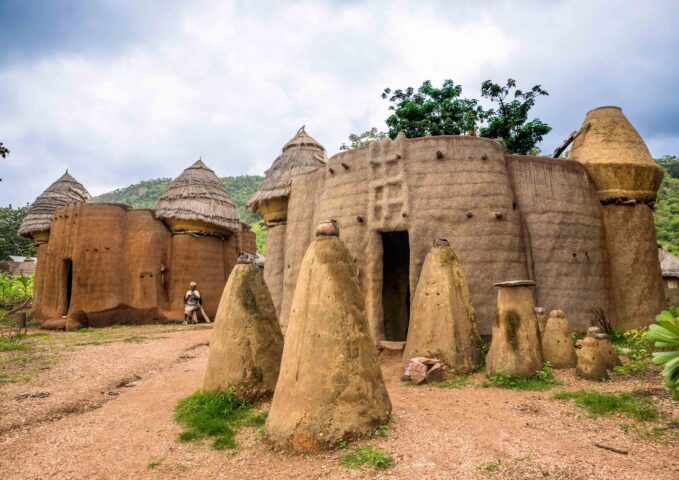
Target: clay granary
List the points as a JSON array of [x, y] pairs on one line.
[[581, 228], [123, 265]]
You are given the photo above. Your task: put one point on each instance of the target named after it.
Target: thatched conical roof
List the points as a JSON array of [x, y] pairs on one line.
[[301, 154], [669, 264], [198, 195], [62, 192]]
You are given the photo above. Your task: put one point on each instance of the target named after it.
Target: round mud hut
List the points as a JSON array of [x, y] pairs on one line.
[[38, 220], [200, 215], [300, 155]]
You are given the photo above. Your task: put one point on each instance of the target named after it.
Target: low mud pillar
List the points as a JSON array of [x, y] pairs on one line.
[[246, 343], [515, 346], [442, 322], [330, 387], [557, 345]]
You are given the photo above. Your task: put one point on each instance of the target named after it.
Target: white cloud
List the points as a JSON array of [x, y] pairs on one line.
[[232, 81]]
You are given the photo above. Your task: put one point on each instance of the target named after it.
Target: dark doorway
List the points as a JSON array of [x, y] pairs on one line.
[[396, 285], [68, 285]]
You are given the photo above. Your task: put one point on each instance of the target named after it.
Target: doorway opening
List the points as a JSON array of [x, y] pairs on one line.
[[395, 285], [68, 285]]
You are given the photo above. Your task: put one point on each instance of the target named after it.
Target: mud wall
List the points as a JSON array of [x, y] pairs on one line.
[[116, 255], [303, 216], [427, 187], [563, 228], [274, 265], [637, 292]]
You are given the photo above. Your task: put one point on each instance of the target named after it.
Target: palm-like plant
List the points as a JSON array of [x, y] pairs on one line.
[[666, 335]]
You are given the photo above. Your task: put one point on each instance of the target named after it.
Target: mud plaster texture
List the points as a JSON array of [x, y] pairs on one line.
[[442, 323], [557, 345], [505, 217], [246, 343], [591, 363], [515, 348], [330, 386], [116, 254]]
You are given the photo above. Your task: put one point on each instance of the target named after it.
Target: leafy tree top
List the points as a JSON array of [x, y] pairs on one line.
[[443, 111], [508, 123], [431, 111]]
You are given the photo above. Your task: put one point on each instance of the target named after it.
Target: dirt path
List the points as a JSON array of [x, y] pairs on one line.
[[436, 433]]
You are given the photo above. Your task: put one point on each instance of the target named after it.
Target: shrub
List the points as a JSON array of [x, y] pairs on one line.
[[370, 455], [605, 403]]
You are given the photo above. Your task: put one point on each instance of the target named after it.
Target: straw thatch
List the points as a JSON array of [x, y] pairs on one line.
[[198, 195], [669, 264], [62, 192], [300, 155]]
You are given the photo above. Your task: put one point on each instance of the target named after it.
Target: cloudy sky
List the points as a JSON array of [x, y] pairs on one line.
[[123, 90]]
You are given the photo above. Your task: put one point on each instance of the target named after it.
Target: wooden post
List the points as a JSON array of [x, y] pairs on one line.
[[20, 319]]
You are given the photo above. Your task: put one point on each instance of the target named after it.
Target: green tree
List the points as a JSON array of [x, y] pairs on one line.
[[431, 111], [10, 242], [670, 164], [358, 140], [666, 212], [508, 122]]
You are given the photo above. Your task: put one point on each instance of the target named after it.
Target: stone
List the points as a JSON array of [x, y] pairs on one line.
[[416, 372], [591, 331], [246, 343], [437, 373], [557, 345], [330, 388], [442, 320], [591, 365], [515, 346]]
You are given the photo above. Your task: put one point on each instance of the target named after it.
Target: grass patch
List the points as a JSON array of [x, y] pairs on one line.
[[490, 467], [606, 403], [135, 339], [456, 382], [370, 455], [17, 342], [542, 380], [153, 464], [383, 431], [216, 414]]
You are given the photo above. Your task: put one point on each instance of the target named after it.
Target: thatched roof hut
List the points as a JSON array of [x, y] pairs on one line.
[[301, 154], [38, 220], [198, 201], [669, 264]]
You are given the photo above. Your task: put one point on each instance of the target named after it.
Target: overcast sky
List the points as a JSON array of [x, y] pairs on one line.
[[124, 90]]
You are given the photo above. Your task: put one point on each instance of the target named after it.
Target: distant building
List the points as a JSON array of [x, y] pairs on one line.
[[669, 264], [18, 265], [123, 265]]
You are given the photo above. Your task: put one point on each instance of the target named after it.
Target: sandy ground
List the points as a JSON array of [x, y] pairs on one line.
[[91, 426]]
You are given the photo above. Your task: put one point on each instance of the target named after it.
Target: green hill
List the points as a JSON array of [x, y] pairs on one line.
[[667, 207], [145, 194]]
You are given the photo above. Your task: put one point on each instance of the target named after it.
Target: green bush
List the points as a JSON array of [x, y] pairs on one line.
[[605, 403], [370, 455], [15, 288]]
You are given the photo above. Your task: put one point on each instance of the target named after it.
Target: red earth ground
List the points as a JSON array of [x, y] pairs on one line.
[[109, 414]]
